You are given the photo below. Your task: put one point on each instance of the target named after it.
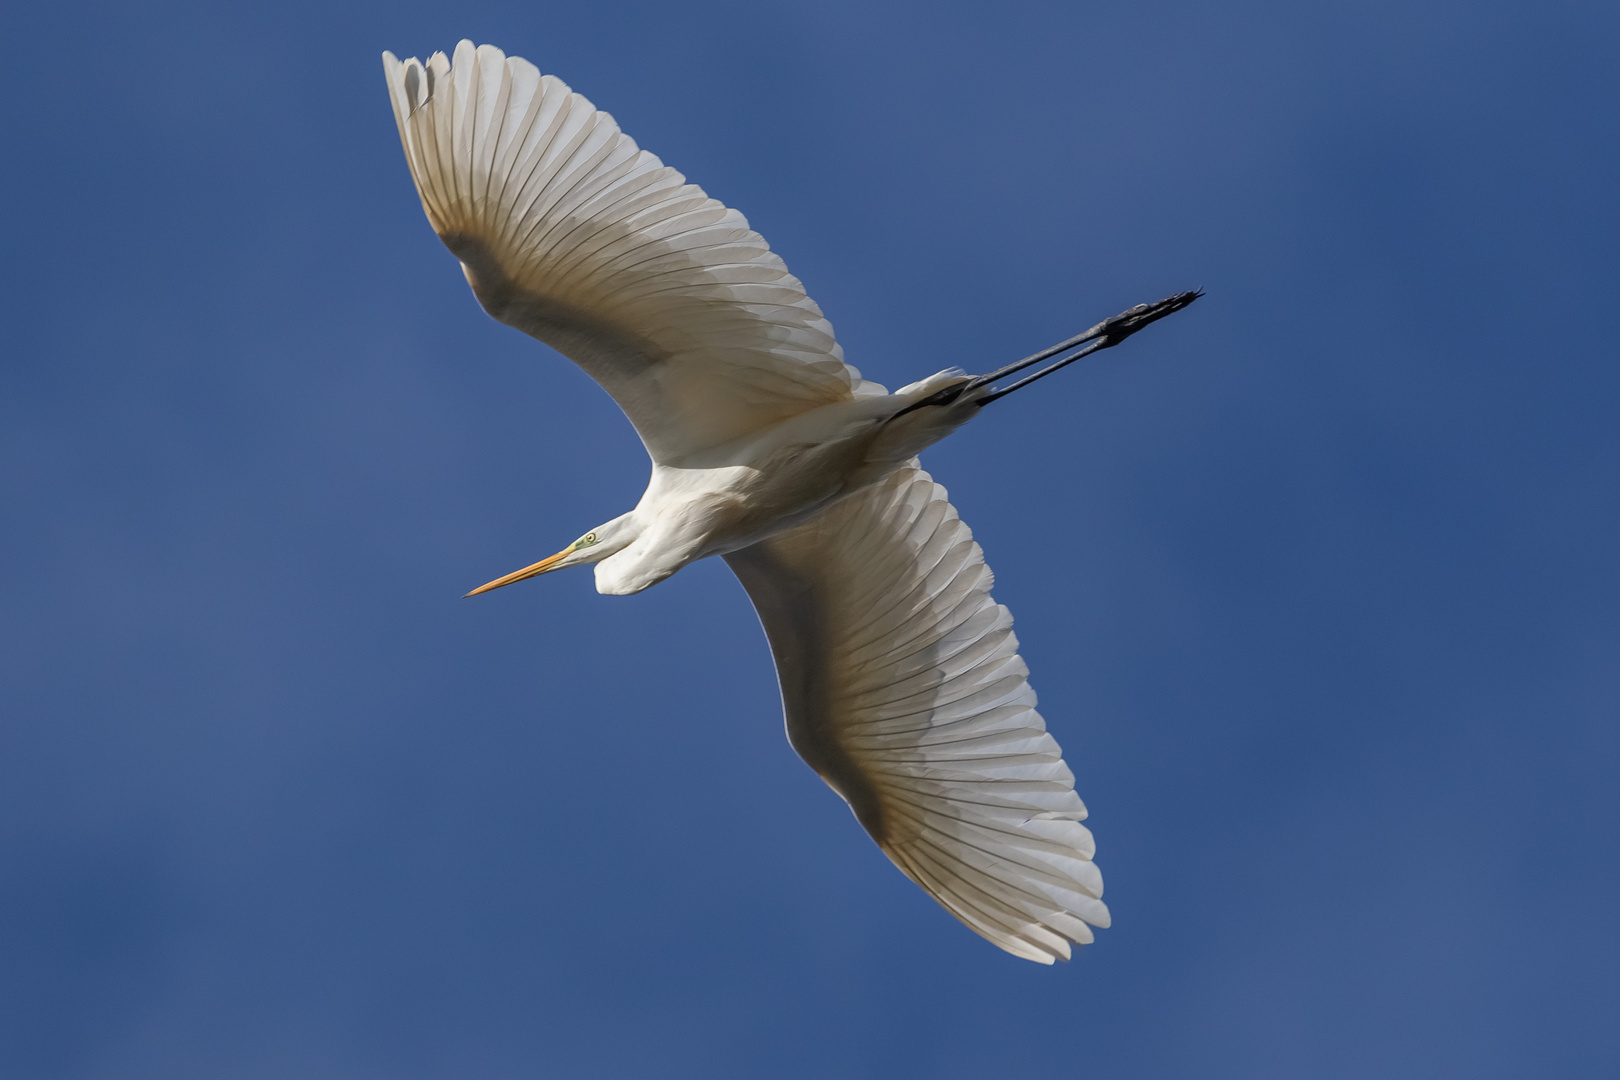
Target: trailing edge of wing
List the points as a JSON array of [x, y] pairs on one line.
[[902, 686], [571, 233]]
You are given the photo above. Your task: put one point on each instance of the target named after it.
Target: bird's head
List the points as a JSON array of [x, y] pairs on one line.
[[594, 546]]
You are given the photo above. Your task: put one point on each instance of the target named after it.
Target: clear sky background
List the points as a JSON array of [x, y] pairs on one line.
[[1317, 580]]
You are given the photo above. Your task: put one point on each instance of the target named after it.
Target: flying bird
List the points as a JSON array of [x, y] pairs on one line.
[[901, 680]]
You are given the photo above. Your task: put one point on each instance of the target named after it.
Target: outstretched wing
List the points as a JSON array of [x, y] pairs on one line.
[[902, 686], [570, 233]]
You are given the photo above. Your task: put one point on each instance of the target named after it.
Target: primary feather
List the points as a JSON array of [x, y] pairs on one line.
[[902, 686], [571, 233]]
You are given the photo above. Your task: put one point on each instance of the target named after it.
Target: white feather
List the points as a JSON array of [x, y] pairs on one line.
[[902, 687], [571, 233]]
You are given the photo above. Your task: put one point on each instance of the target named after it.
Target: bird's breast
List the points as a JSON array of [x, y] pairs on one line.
[[737, 495], [734, 506]]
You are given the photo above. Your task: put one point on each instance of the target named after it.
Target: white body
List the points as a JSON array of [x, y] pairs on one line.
[[901, 681], [720, 500]]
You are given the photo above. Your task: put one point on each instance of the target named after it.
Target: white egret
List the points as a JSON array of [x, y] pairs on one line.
[[901, 681]]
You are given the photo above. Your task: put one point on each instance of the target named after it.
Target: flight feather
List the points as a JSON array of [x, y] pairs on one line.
[[902, 686], [570, 232]]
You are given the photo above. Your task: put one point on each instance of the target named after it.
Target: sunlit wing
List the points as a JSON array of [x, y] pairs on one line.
[[902, 686], [570, 233]]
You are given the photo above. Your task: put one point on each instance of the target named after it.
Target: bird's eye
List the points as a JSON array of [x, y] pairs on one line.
[[590, 538]]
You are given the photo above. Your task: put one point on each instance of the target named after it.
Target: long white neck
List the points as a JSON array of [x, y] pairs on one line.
[[656, 551]]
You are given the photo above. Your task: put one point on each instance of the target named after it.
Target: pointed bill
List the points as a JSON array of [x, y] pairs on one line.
[[548, 563]]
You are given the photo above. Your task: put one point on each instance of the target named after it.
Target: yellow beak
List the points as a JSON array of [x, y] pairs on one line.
[[538, 568]]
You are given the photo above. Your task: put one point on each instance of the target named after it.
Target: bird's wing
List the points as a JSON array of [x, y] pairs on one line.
[[571, 233], [902, 686]]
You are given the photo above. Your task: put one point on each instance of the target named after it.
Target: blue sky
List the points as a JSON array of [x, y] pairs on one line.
[[1317, 580]]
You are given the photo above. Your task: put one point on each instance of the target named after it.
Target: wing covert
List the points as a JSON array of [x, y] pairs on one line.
[[902, 687], [571, 233]]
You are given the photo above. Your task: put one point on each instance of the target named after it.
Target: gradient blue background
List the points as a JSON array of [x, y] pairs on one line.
[[1317, 580]]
